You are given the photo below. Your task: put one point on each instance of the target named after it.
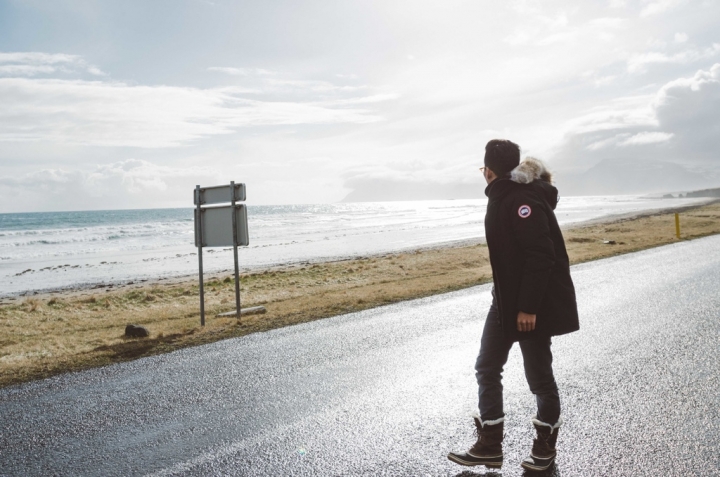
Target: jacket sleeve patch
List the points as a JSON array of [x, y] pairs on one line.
[[524, 211]]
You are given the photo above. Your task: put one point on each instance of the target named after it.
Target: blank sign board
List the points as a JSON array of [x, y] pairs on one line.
[[220, 194], [217, 226]]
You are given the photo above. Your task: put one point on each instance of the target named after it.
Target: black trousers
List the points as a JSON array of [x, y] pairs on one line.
[[537, 357]]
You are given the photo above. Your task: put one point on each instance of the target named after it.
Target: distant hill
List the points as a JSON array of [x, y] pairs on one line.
[[609, 177], [696, 193], [630, 176]]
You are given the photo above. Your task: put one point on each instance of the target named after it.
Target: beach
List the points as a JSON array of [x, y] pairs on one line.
[[82, 327]]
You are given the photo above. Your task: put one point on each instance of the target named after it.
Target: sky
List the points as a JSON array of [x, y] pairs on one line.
[[111, 105]]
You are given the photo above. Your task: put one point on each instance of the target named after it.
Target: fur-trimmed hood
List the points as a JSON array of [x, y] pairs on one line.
[[530, 170], [530, 173]]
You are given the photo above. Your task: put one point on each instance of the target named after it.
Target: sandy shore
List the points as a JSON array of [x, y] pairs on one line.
[[76, 329]]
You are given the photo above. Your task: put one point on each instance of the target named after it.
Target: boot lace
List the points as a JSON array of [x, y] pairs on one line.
[[481, 434], [541, 445]]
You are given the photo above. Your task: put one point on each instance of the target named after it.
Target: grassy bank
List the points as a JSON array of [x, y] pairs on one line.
[[47, 335]]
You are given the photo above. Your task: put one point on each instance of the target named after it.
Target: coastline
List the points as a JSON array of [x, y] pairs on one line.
[[90, 288], [85, 289], [95, 251], [66, 330]]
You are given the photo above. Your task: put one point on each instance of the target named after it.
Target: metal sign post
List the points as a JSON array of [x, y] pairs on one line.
[[199, 240], [213, 229], [235, 250]]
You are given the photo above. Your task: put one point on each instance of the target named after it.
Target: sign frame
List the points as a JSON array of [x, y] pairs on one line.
[[211, 230], [220, 194], [217, 229]]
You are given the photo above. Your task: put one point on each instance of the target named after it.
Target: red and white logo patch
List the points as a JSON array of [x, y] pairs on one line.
[[524, 211]]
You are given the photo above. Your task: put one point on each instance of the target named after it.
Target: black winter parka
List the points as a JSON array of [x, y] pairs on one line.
[[531, 270]]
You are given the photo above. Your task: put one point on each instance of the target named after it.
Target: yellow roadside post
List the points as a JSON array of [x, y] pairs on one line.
[[677, 224]]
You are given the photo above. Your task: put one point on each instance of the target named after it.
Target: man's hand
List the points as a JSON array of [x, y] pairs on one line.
[[525, 321]]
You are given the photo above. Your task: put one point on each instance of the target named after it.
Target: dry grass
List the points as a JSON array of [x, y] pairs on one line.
[[47, 335], [632, 234]]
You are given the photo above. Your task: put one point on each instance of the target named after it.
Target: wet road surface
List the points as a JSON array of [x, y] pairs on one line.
[[388, 391]]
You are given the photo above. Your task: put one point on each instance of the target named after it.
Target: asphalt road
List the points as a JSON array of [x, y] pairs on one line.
[[388, 391]]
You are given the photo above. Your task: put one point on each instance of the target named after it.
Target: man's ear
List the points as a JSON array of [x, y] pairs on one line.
[[490, 175]]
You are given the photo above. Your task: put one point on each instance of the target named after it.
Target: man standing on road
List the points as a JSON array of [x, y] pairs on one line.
[[533, 299]]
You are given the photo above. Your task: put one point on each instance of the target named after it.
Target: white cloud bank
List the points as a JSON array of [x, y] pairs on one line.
[[678, 128], [683, 113], [241, 71], [638, 63], [112, 113], [655, 7], [117, 114], [34, 63], [123, 184]]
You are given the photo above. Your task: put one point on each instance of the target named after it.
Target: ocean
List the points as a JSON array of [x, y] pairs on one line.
[[57, 250]]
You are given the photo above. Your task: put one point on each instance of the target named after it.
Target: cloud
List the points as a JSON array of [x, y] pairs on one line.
[[689, 108], [33, 57], [605, 80], [628, 139], [34, 63], [375, 98], [242, 71], [136, 176], [104, 113], [441, 178], [681, 37], [655, 7], [44, 179], [662, 143], [285, 85], [536, 33], [678, 124], [637, 63], [26, 70], [127, 183], [632, 112], [543, 30], [423, 182], [116, 114], [646, 137], [625, 139]]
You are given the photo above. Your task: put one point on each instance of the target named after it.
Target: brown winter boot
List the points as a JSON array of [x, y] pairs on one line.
[[487, 450], [543, 451]]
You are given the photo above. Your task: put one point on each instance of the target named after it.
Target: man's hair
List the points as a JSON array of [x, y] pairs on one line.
[[502, 156]]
